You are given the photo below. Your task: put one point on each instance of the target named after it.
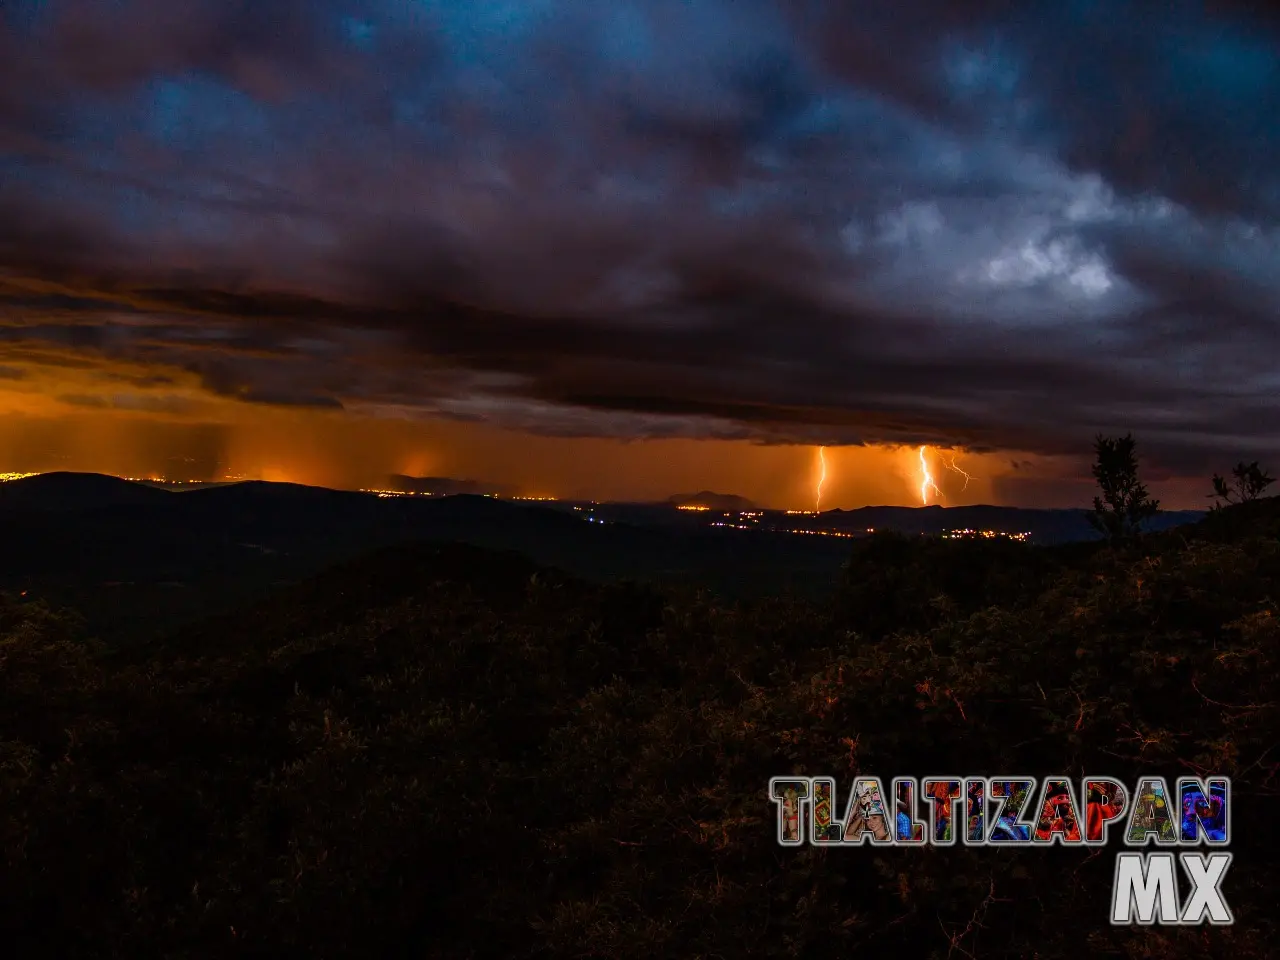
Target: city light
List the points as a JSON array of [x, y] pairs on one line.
[[967, 534]]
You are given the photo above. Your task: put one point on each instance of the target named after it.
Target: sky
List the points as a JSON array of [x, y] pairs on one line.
[[625, 250]]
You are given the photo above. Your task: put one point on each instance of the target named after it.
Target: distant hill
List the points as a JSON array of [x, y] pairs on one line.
[[74, 491], [712, 501], [120, 551], [1045, 526], [133, 553], [444, 486]]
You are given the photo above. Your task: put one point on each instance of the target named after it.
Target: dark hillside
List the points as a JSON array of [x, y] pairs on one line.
[[1048, 527], [74, 491], [441, 751], [171, 558], [895, 583]]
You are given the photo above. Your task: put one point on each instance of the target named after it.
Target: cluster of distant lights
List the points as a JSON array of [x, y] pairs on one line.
[[965, 534], [428, 493], [590, 517], [229, 478], [985, 535], [727, 513], [5, 477], [812, 533]]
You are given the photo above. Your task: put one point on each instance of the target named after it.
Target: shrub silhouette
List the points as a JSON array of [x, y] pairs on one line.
[[1247, 482], [1119, 513], [896, 583]]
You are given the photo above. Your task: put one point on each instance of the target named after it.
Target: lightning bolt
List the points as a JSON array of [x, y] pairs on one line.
[[951, 465], [926, 480], [822, 478]]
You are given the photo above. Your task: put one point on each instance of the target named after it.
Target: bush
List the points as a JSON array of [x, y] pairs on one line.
[[454, 754]]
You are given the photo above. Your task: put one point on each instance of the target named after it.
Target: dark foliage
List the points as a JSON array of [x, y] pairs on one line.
[[896, 583], [447, 752], [1124, 507], [1247, 482]]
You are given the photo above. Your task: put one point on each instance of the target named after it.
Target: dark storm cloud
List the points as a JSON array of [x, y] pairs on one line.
[[1007, 226]]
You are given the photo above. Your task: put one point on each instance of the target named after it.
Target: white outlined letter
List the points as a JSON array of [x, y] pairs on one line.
[[1206, 872], [1146, 885], [1150, 815], [824, 828], [1146, 892], [791, 795], [1204, 811], [909, 829], [1013, 796], [867, 815], [1105, 801], [943, 796], [1059, 817]]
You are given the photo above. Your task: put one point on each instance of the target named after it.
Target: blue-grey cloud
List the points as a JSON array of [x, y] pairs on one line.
[[1003, 225]]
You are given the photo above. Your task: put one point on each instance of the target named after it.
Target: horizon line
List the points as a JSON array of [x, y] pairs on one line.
[[12, 476]]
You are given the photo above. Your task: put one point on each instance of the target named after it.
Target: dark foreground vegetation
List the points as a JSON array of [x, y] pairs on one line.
[[446, 752]]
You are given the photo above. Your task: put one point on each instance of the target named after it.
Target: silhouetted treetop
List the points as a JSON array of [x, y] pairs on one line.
[[1119, 513], [1247, 482]]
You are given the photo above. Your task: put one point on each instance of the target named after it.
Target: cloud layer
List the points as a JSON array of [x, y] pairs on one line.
[[1002, 226]]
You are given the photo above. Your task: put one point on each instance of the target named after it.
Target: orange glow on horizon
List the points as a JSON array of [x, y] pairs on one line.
[[47, 426], [334, 449]]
